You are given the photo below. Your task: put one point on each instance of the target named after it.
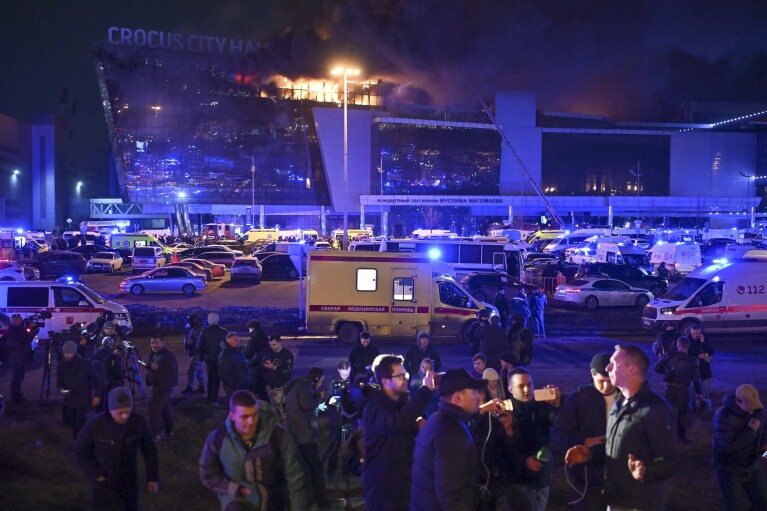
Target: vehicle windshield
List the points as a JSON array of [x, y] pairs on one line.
[[104, 255], [635, 259], [93, 295], [684, 289]]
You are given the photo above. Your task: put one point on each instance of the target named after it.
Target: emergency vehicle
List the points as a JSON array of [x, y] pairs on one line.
[[726, 297], [261, 235], [390, 295], [622, 252], [680, 257], [133, 240], [225, 231]]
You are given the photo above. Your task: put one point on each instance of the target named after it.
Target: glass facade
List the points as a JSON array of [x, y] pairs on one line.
[[428, 159], [605, 164], [186, 127]]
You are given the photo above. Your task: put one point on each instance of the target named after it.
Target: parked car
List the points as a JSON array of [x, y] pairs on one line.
[[484, 285], [631, 275], [246, 268], [126, 254], [595, 292], [233, 247], [105, 261], [277, 266], [322, 245], [173, 279], [180, 246], [88, 251], [219, 270], [198, 251], [147, 258], [221, 257], [56, 263], [10, 270], [195, 268]]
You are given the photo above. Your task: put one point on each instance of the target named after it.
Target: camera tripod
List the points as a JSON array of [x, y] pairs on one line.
[[131, 361], [343, 433], [45, 387]]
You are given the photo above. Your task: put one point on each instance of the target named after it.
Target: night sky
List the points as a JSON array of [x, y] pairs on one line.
[[631, 61]]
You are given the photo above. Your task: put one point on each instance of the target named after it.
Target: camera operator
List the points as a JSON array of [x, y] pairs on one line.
[[162, 376], [108, 358], [336, 419], [79, 386], [18, 341]]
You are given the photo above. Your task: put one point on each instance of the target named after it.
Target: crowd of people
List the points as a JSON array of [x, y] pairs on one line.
[[420, 435]]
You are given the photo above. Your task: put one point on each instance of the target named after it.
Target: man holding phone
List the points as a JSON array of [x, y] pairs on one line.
[[532, 418]]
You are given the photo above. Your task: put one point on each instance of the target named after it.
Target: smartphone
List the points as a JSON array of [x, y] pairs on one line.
[[545, 394], [507, 405]]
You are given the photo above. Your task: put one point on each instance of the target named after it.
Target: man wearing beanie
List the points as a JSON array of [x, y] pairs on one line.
[[739, 439], [422, 349], [79, 386], [106, 451], [582, 420]]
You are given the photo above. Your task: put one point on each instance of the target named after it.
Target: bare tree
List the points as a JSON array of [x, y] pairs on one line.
[[431, 216]]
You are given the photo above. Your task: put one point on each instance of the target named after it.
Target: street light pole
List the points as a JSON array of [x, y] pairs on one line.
[[252, 192]]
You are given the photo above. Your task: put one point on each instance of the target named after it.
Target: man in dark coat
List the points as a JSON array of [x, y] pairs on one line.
[[303, 398], [538, 302], [110, 369], [18, 343], [277, 367], [500, 303], [702, 349], [257, 344], [194, 372], [493, 343], [209, 345], [679, 369], [739, 440], [389, 428], [529, 448], [445, 464], [362, 355], [106, 450], [79, 385], [641, 451], [582, 420], [477, 330], [232, 366], [422, 349], [162, 376]]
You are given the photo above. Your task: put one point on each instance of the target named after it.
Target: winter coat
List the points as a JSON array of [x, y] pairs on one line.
[[736, 446], [583, 414], [519, 306], [389, 430], [191, 339], [110, 367], [531, 422], [233, 368], [500, 303], [105, 448], [271, 468], [78, 377], [645, 426], [678, 370], [165, 377], [414, 356], [698, 348], [282, 369], [18, 344], [300, 409], [256, 345], [360, 357], [445, 463], [210, 343], [537, 301], [492, 344], [520, 343]]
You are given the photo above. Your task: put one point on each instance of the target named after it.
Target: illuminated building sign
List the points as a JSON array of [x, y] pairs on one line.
[[195, 43], [435, 200]]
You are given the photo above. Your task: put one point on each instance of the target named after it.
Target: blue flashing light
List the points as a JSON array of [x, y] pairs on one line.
[[20, 231], [720, 261], [434, 253]]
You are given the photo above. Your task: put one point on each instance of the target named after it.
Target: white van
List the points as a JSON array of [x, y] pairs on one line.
[[681, 257], [147, 258], [69, 303], [564, 241], [723, 297], [622, 252]]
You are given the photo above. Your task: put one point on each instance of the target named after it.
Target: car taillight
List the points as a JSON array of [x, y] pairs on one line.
[[572, 291]]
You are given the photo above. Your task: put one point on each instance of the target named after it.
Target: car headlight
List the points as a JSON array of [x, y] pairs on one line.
[[667, 311]]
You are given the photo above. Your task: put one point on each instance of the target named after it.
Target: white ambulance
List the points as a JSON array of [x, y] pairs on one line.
[[680, 257], [622, 252], [723, 297], [392, 295]]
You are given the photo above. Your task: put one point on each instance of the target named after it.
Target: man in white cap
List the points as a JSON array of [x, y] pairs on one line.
[[106, 451], [739, 440]]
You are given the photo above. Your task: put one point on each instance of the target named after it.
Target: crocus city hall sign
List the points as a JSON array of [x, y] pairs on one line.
[[195, 43]]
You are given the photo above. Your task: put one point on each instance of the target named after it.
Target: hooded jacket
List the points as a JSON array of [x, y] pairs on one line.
[[78, 377], [415, 356], [737, 446], [272, 468], [300, 409], [233, 367]]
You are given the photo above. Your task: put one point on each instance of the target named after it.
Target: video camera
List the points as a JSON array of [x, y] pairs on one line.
[[353, 395], [36, 320]]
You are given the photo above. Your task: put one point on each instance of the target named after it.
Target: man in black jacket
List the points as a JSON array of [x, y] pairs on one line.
[[362, 355], [209, 346], [702, 349], [278, 370], [19, 346], [529, 448], [641, 450], [79, 385], [445, 463], [106, 450], [582, 420], [421, 350], [739, 440], [194, 372], [679, 369], [232, 366], [162, 376], [389, 428], [108, 359]]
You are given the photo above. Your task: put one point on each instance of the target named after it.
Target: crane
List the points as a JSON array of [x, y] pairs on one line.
[[549, 208]]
